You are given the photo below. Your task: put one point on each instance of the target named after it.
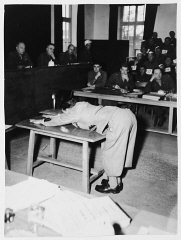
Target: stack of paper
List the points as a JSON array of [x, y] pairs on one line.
[[28, 192], [151, 97], [67, 213], [71, 215]]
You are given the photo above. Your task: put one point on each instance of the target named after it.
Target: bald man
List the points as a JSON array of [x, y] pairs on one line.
[[19, 59]]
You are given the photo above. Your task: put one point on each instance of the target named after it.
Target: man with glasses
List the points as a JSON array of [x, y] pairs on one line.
[[47, 58]]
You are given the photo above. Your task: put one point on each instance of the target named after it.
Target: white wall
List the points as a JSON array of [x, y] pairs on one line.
[[101, 22], [165, 20], [74, 25], [96, 21]]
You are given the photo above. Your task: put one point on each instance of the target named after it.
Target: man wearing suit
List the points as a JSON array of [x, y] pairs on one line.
[[69, 56], [47, 58], [121, 80], [19, 59], [120, 127]]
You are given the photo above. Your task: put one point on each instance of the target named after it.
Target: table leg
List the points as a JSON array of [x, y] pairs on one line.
[[30, 153], [170, 120], [85, 166], [99, 101], [53, 147]]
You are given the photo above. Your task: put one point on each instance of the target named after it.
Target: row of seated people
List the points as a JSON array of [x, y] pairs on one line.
[[141, 68], [124, 81], [168, 46], [20, 59]]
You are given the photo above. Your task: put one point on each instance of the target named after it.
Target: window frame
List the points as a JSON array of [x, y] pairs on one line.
[[135, 23], [69, 21]]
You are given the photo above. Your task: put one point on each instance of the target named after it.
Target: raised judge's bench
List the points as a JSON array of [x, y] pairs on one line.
[[30, 91]]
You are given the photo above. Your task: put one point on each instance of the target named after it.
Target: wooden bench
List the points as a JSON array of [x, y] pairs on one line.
[[73, 134]]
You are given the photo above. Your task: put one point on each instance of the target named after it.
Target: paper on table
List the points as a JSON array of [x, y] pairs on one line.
[[70, 215], [26, 193]]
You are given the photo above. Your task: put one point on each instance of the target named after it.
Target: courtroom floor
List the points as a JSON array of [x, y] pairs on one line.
[[151, 185]]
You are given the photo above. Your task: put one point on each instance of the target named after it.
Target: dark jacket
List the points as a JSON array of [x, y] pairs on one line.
[[100, 81], [167, 84], [116, 79], [85, 56], [17, 61], [44, 59], [66, 58]]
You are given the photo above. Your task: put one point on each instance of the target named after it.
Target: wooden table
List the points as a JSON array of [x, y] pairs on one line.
[[74, 135], [110, 95]]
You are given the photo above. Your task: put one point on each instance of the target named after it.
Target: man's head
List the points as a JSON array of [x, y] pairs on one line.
[[143, 50], [168, 61], [154, 35], [50, 49], [150, 56], [167, 41], [20, 48], [142, 70], [96, 67], [157, 73], [139, 56], [157, 50], [71, 49], [124, 69], [88, 43], [172, 34]]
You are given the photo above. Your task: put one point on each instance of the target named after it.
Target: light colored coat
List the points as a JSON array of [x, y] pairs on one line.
[[119, 125]]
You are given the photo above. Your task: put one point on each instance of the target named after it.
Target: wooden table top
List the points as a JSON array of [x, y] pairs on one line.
[[72, 132], [116, 95]]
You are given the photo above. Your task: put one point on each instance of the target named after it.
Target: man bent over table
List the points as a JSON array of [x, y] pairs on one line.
[[119, 126]]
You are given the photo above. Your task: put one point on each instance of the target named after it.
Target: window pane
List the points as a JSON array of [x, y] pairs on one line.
[[131, 31], [66, 35], [126, 14], [67, 11], [132, 13], [124, 32], [63, 10], [139, 36], [139, 31], [141, 13]]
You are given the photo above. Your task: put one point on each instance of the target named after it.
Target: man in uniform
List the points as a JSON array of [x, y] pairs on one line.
[[19, 59], [47, 57], [119, 126]]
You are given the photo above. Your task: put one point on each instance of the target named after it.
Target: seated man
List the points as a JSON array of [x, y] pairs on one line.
[[119, 126], [47, 58], [97, 77], [69, 56], [85, 54], [19, 59], [121, 80], [134, 65], [150, 64], [156, 83], [141, 75]]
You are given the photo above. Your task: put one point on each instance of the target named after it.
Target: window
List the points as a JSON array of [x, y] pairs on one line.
[[66, 25], [131, 26]]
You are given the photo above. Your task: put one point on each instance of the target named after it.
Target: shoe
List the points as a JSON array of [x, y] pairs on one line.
[[107, 189], [104, 182]]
